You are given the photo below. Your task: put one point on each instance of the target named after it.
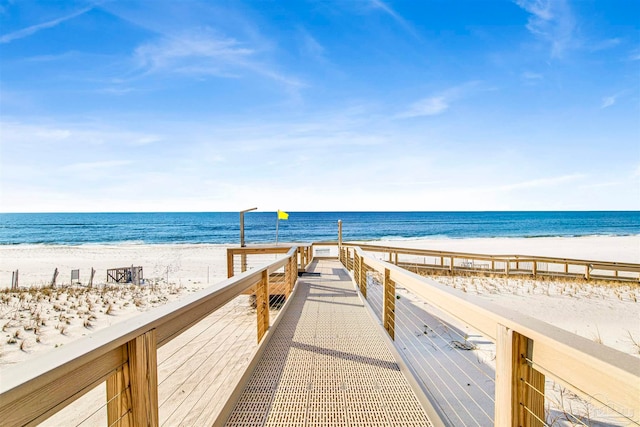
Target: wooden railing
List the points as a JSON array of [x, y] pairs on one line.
[[125, 356], [461, 262], [242, 259], [527, 350]]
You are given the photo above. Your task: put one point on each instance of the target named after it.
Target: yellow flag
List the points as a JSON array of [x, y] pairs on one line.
[[282, 215]]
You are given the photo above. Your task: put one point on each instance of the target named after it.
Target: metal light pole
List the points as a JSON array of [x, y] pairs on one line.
[[243, 256], [242, 245]]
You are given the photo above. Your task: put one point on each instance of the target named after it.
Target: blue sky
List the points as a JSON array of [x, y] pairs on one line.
[[318, 105]]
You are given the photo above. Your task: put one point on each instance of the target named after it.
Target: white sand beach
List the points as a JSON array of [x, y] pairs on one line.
[[176, 270], [40, 320]]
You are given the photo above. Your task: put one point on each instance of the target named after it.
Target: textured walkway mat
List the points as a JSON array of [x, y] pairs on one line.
[[327, 365]]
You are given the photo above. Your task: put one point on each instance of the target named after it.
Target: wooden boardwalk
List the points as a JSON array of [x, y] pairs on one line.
[[327, 364]]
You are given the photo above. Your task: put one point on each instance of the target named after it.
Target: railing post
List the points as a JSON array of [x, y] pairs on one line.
[[451, 266], [360, 272], [243, 261], [535, 268], [389, 304], [287, 278], [519, 387], [132, 391], [362, 276], [294, 260], [587, 272], [229, 262], [262, 304]]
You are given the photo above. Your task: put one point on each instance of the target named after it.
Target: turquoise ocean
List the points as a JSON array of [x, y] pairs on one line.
[[260, 227]]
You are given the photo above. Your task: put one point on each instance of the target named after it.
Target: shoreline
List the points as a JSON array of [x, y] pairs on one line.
[[435, 237]]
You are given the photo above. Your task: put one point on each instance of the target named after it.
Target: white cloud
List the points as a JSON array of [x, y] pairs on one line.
[[27, 134], [201, 51], [379, 4], [93, 166], [611, 100], [542, 182], [608, 101], [531, 76], [146, 140], [551, 21], [605, 44], [426, 107], [25, 32], [310, 46], [438, 103]]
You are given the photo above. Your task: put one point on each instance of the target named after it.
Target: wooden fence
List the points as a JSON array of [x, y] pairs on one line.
[[421, 260]]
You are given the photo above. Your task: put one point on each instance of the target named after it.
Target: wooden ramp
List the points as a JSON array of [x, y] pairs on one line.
[[327, 364]]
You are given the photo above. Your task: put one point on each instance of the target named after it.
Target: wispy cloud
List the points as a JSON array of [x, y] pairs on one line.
[[26, 32], [542, 182], [203, 52], [426, 107], [552, 21], [310, 47], [437, 103], [95, 166], [531, 78], [611, 100], [379, 4], [27, 134], [608, 101], [531, 75], [200, 51], [605, 44]]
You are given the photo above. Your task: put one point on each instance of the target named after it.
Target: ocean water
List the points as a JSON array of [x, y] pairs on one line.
[[260, 227]]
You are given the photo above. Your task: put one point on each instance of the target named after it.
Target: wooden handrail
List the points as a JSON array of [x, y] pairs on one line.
[[580, 364], [487, 257], [587, 265], [33, 390]]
